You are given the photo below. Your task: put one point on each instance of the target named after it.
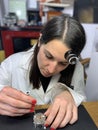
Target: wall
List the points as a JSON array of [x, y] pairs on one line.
[[3, 9], [90, 30]]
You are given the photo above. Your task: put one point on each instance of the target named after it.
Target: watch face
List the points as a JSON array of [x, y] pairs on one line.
[[39, 120]]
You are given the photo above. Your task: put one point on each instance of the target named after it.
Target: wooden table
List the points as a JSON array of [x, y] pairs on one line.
[[91, 107]]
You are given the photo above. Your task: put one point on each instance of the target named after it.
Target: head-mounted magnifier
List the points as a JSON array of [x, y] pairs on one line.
[[71, 57]]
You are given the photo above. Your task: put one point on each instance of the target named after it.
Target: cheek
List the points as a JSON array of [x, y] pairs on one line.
[[62, 68], [41, 59]]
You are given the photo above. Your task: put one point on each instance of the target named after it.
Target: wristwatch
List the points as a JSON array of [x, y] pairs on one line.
[[39, 120]]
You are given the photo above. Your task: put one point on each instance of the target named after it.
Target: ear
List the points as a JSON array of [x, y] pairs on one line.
[[39, 39], [40, 36]]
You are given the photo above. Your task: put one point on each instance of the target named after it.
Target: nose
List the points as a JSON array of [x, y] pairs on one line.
[[52, 67]]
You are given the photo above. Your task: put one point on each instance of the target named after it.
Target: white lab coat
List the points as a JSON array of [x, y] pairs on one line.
[[14, 72]]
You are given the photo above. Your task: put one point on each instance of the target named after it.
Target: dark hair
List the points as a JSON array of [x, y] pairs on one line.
[[70, 32]]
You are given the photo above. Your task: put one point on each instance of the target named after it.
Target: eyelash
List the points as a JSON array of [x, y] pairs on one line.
[[49, 57], [60, 63], [63, 64]]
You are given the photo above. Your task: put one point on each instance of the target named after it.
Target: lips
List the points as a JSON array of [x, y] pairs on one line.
[[45, 73]]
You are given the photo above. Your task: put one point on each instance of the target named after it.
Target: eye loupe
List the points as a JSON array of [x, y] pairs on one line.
[[71, 57]]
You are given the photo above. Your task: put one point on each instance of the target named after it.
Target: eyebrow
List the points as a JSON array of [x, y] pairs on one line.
[[48, 52]]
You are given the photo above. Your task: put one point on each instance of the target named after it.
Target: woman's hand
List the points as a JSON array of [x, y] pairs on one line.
[[62, 111], [15, 103]]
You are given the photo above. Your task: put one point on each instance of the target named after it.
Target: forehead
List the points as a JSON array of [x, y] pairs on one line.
[[57, 48]]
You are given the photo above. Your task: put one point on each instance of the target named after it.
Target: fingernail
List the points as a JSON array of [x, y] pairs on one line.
[[33, 105], [32, 109], [46, 125], [52, 128], [34, 101]]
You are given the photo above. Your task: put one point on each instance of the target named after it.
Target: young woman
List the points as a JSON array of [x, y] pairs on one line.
[[50, 71]]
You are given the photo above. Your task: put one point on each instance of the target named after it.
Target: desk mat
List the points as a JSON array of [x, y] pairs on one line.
[[26, 122]]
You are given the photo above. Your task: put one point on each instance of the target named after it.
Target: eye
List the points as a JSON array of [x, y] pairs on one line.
[[48, 56], [63, 63]]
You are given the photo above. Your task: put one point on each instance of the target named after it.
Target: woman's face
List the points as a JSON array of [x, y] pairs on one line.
[[51, 58]]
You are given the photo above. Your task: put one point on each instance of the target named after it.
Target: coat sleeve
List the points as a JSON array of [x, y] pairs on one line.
[[6, 69], [5, 73], [78, 92]]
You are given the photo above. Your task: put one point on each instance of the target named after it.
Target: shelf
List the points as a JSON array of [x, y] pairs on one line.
[[55, 4]]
